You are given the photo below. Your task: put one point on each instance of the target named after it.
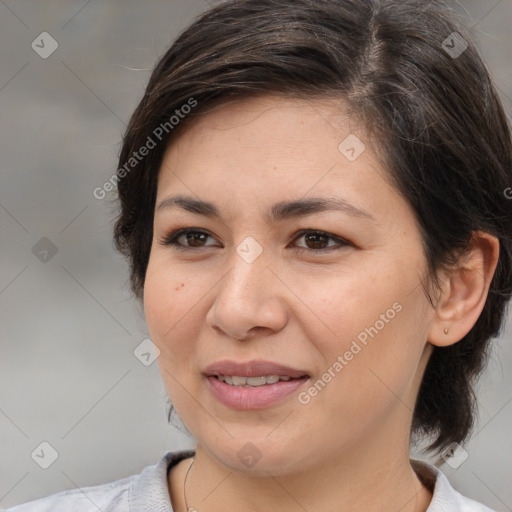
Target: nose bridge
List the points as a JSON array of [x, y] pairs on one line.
[[246, 297], [249, 263]]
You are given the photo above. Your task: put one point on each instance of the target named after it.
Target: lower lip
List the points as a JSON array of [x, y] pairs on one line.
[[260, 397]]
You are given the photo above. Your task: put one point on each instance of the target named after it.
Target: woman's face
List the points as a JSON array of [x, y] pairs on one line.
[[344, 307]]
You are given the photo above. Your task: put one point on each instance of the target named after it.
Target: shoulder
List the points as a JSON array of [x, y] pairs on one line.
[[134, 493], [444, 497], [82, 500]]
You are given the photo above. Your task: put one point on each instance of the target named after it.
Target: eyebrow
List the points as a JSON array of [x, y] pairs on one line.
[[278, 212]]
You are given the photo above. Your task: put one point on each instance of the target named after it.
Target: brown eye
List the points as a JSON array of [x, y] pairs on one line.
[[186, 239], [317, 241], [194, 238]]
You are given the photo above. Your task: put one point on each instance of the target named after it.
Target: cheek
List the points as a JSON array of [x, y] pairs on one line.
[[383, 354], [166, 304], [344, 303], [169, 318], [375, 324], [156, 298]]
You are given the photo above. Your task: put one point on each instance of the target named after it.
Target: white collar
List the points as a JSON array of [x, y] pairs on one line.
[[149, 491]]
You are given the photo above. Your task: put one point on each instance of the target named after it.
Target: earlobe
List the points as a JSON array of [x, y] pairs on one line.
[[464, 291]]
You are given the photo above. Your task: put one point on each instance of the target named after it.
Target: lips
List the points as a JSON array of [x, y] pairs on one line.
[[256, 368], [223, 380]]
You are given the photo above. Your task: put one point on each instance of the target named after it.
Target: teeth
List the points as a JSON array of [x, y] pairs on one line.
[[235, 380], [270, 379], [238, 381]]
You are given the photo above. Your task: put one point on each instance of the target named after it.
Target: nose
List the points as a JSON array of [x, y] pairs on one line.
[[250, 300]]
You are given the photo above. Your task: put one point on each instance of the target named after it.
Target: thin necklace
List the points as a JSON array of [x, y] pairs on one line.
[[191, 509]]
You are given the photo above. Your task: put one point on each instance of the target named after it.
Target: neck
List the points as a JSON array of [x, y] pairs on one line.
[[357, 480]]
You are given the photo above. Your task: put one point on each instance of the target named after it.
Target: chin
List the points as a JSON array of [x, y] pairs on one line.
[[258, 458]]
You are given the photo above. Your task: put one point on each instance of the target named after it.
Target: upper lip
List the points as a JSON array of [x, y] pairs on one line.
[[252, 369]]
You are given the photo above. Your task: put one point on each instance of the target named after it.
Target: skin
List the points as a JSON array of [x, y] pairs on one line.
[[348, 448]]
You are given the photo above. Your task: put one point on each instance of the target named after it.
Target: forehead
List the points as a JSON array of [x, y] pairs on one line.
[[263, 138], [246, 116], [258, 152]]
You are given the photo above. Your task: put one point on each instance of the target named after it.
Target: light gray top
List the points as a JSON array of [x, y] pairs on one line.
[[149, 492]]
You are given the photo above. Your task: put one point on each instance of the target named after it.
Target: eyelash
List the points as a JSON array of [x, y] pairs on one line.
[[172, 240]]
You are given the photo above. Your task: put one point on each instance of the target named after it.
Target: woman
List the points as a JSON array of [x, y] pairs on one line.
[[312, 202]]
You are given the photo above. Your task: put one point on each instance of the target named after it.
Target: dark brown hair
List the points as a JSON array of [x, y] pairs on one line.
[[425, 99]]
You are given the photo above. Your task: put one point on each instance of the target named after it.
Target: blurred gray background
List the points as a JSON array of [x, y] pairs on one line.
[[69, 376]]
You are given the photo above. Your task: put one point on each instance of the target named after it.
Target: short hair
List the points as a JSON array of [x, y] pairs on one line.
[[410, 73]]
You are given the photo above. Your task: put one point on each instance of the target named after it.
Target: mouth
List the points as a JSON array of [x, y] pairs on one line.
[[254, 372], [253, 384]]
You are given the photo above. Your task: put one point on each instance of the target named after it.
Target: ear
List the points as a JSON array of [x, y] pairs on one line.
[[464, 290]]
